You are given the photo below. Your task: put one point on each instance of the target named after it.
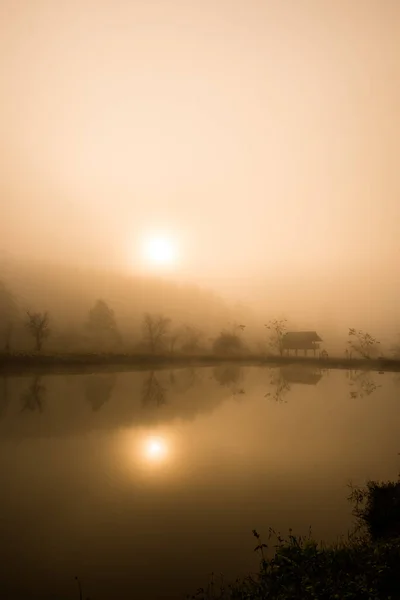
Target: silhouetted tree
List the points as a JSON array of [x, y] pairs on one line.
[[155, 330], [38, 325], [362, 342], [101, 323], [278, 330], [228, 343], [8, 315], [33, 398]]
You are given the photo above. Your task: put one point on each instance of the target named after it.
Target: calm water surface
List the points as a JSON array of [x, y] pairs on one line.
[[146, 482]]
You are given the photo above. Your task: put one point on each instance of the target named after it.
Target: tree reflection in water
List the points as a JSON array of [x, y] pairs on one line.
[[230, 376], [361, 383], [99, 388], [153, 393], [32, 399], [280, 386]]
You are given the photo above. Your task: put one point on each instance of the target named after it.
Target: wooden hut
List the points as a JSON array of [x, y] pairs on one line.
[[301, 340]]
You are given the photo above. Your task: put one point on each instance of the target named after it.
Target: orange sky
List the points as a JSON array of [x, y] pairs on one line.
[[264, 135]]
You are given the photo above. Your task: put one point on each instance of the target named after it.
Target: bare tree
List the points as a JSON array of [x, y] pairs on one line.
[[155, 330], [38, 325], [362, 342], [278, 330]]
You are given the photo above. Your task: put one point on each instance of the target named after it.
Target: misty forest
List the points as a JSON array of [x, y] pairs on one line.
[[54, 311], [199, 300]]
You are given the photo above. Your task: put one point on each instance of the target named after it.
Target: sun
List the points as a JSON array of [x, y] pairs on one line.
[[155, 449], [159, 251]]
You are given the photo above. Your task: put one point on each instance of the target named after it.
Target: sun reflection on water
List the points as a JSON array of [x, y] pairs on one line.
[[149, 453]]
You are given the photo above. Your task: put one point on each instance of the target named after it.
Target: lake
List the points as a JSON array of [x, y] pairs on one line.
[[144, 483]]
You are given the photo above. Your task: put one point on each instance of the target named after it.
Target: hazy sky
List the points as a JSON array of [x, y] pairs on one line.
[[262, 135]]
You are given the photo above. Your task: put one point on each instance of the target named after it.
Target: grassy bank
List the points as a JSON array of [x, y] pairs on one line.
[[20, 362], [366, 566]]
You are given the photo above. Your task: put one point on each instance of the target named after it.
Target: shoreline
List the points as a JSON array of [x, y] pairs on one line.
[[20, 363]]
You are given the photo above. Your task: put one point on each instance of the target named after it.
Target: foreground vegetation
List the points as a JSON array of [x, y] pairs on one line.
[[366, 566]]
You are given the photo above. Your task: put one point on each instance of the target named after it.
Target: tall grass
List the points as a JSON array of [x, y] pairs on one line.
[[365, 566]]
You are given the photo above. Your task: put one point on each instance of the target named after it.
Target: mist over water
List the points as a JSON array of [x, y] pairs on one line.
[[113, 475]]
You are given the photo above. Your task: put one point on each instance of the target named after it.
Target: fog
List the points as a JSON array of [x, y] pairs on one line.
[[261, 137]]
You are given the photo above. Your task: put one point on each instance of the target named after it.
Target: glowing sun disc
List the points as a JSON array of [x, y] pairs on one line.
[[155, 449], [159, 251]]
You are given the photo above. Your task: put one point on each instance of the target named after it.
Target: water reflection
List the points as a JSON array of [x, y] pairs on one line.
[[280, 386], [230, 376], [98, 389], [361, 383], [143, 452], [180, 484], [182, 380], [283, 378], [153, 392], [302, 375], [32, 399]]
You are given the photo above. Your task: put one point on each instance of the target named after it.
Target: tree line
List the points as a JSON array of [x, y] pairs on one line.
[[159, 334]]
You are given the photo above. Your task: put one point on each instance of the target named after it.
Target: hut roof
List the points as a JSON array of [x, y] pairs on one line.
[[302, 336], [300, 339]]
